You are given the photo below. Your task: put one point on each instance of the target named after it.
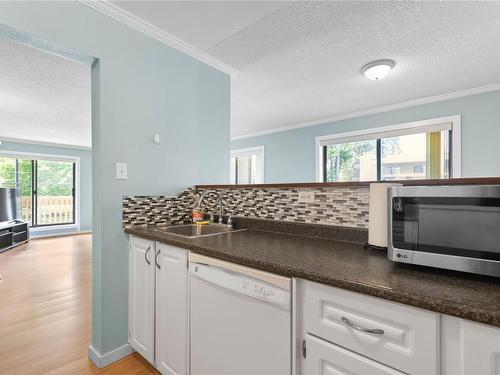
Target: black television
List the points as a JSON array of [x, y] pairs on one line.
[[10, 205]]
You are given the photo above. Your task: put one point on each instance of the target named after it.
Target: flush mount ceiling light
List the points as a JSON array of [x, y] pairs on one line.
[[377, 69]]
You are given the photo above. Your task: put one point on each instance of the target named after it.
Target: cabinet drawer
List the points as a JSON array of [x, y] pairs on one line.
[[408, 339], [324, 358]]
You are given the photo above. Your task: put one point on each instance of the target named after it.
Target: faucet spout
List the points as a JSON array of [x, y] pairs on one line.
[[204, 194]]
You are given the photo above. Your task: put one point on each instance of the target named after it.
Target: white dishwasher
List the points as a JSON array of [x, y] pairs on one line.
[[240, 320]]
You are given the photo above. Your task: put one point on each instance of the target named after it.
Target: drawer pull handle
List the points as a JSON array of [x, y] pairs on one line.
[[376, 331]]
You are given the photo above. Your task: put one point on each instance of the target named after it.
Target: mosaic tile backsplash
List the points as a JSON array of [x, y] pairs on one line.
[[341, 206]]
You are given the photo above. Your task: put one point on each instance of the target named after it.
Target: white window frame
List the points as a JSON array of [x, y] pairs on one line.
[[260, 151], [67, 158], [394, 130]]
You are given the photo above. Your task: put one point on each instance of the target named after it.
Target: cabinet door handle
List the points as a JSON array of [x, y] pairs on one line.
[[146, 256], [376, 331], [156, 259]]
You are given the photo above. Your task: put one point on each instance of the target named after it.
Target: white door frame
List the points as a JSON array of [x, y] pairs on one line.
[[259, 150]]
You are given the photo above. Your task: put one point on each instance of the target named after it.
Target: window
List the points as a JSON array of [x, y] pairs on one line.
[[47, 187], [418, 150], [350, 161], [247, 166]]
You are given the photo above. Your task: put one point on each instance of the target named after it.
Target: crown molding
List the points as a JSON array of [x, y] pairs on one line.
[[137, 23], [372, 111], [44, 45], [40, 143]]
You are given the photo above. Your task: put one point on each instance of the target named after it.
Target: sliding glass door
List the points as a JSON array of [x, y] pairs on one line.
[[54, 192], [47, 186]]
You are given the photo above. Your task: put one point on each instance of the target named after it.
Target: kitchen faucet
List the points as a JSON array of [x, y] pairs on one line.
[[200, 201]]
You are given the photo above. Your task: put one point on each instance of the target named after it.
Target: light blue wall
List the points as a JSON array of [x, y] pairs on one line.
[[290, 155], [85, 156], [141, 87]]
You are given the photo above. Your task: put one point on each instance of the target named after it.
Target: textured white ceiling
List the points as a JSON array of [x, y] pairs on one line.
[[200, 23], [300, 61], [43, 97], [303, 62]]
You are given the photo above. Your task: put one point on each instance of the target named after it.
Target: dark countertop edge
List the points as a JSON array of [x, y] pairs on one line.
[[417, 301], [359, 184]]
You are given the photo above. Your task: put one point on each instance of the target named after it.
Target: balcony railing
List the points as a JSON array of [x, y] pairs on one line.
[[51, 209]]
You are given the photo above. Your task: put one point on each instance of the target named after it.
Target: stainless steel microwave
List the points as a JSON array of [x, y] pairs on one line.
[[452, 227]]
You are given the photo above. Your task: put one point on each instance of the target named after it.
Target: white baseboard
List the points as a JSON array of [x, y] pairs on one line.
[[103, 360], [36, 235]]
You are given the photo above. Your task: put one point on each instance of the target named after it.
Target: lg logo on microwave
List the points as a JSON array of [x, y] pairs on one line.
[[403, 256]]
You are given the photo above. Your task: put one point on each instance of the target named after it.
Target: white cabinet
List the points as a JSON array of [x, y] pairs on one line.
[[141, 310], [158, 304], [343, 332], [399, 336], [171, 310], [469, 348], [324, 358]]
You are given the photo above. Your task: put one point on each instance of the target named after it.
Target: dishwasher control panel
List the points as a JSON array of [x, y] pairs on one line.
[[259, 290], [243, 284]]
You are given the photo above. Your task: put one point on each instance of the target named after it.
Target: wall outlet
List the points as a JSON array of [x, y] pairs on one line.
[[306, 196], [121, 171]]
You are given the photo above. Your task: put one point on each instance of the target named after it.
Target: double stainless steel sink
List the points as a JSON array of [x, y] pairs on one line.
[[194, 231]]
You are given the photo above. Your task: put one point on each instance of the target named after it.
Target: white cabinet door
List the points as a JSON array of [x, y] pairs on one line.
[[469, 348], [171, 310], [325, 358], [141, 296]]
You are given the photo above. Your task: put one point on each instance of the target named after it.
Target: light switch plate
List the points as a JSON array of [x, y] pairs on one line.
[[306, 196], [121, 171]]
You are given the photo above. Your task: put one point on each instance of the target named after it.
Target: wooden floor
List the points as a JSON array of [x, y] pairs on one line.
[[45, 310]]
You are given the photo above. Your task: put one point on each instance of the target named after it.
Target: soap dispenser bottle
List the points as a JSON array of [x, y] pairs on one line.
[[197, 215]]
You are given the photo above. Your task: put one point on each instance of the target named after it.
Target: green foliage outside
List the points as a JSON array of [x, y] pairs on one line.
[[54, 178], [342, 160]]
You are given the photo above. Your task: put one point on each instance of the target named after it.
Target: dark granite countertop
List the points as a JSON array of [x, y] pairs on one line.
[[349, 266]]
